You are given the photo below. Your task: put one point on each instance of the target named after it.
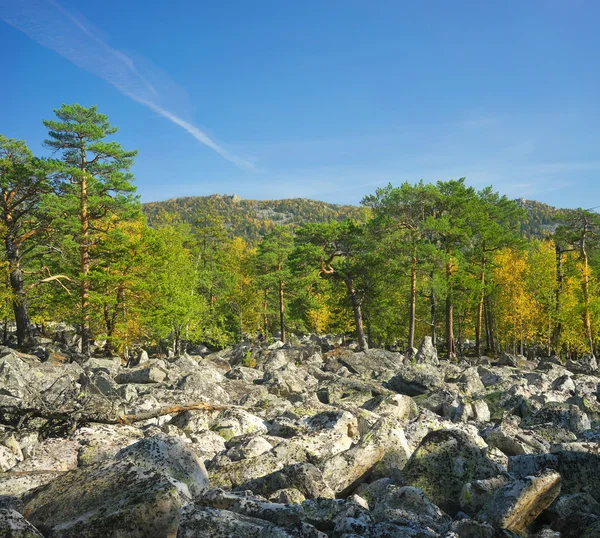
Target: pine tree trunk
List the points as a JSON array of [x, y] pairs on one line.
[[433, 313], [479, 325], [587, 324], [265, 317], [281, 313], [490, 325], [412, 302], [85, 260], [449, 315], [360, 332], [24, 333], [556, 333]]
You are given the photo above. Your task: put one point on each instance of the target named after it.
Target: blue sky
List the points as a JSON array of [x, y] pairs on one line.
[[324, 99]]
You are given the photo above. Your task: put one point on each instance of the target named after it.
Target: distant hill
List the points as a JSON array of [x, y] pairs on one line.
[[251, 219], [542, 219]]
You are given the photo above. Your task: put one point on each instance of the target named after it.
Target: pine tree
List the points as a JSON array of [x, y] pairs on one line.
[[273, 271], [24, 181], [95, 183]]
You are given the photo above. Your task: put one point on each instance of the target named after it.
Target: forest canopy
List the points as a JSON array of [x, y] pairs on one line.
[[476, 271]]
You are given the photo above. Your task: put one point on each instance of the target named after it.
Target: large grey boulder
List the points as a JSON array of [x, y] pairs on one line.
[[199, 521], [587, 364], [517, 504], [304, 477], [233, 422], [13, 525], [171, 457], [345, 471], [579, 471], [149, 374], [561, 415], [412, 504], [427, 354], [443, 463], [108, 499], [415, 379]]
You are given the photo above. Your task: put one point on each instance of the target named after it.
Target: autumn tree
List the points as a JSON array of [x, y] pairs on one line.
[[337, 248], [95, 184], [495, 223], [273, 271]]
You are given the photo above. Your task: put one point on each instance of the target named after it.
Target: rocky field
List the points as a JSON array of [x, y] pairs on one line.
[[309, 440]]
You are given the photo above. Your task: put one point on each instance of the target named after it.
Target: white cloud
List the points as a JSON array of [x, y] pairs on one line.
[[52, 26]]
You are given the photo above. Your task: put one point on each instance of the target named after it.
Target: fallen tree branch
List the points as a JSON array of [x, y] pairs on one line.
[[199, 406]]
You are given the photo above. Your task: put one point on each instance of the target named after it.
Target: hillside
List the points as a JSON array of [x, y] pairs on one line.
[[251, 219]]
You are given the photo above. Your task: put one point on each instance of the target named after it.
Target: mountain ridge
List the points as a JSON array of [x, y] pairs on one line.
[[251, 219]]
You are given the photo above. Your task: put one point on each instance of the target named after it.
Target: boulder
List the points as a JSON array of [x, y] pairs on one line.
[[427, 354], [53, 454], [233, 422], [108, 499], [149, 374], [578, 470], [517, 504], [169, 456], [345, 471], [443, 463], [413, 380], [304, 477], [412, 504], [587, 364], [13, 525], [100, 442], [205, 521], [561, 415]]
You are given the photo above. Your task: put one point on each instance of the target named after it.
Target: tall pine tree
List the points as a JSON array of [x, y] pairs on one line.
[[95, 183]]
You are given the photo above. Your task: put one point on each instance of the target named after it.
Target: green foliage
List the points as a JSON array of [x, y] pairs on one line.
[[416, 259], [251, 219]]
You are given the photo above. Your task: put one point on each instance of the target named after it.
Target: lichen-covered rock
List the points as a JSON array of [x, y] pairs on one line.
[[253, 447], [399, 406], [427, 354], [108, 499], [13, 525], [518, 503], [100, 442], [169, 456], [325, 514], [53, 454], [412, 504], [19, 483], [413, 380], [205, 521], [7, 459], [197, 387], [475, 495], [149, 374], [443, 463], [372, 364], [288, 381], [587, 364], [304, 477], [345, 471], [572, 506], [562, 415], [233, 422], [579, 471]]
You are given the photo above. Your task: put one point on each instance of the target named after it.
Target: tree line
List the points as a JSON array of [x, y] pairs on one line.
[[441, 259]]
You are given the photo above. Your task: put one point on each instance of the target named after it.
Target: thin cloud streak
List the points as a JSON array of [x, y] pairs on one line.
[[48, 23]]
